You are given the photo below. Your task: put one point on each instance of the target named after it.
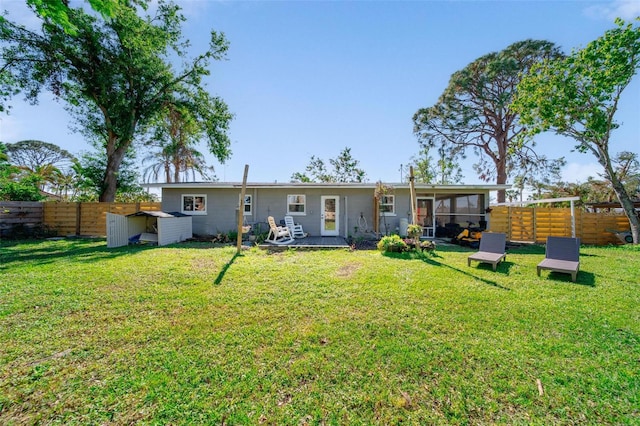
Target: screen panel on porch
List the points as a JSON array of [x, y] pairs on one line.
[[457, 211]]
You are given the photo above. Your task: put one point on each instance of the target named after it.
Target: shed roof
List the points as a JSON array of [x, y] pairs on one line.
[[156, 214]]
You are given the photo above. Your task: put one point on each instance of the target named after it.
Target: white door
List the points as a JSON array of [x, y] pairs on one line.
[[426, 218], [329, 215], [117, 230]]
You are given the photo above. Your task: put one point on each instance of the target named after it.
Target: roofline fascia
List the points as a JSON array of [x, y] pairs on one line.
[[261, 185]]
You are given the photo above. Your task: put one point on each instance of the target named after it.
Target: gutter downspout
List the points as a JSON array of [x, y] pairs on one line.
[[346, 217]]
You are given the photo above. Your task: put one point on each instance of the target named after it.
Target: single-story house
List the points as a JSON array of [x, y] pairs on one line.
[[330, 209]]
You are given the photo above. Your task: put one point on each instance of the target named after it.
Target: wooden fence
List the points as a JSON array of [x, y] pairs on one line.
[[19, 214], [87, 218], [64, 218], [535, 224]]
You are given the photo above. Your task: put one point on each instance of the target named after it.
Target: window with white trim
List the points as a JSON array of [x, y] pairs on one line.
[[297, 204], [248, 205], [388, 205], [194, 204]]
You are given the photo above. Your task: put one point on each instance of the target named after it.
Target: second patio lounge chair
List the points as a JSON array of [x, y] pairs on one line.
[[296, 230], [562, 254], [278, 234], [491, 249]]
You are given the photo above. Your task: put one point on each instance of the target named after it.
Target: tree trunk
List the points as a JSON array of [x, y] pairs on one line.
[[110, 182], [167, 171], [176, 168], [501, 178], [627, 206], [623, 197]]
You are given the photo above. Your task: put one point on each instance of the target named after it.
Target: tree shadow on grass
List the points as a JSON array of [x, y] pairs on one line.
[[432, 259], [225, 268], [42, 252]]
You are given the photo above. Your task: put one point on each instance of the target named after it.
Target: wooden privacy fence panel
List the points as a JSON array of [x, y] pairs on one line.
[[62, 217], [552, 222], [19, 213], [593, 227], [88, 218], [536, 224]]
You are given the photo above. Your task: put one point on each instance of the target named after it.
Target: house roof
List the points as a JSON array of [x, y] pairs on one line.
[[288, 185]]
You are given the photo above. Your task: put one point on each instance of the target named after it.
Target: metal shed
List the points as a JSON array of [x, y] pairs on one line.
[[148, 226]]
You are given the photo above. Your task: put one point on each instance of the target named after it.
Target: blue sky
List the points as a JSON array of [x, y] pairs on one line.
[[310, 78]]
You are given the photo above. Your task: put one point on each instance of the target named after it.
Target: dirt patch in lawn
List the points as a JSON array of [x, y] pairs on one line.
[[347, 271]]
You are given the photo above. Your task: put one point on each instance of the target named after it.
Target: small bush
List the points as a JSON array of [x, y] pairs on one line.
[[392, 243]]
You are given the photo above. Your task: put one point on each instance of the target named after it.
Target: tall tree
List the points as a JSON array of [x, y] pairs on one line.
[[474, 113], [316, 171], [345, 169], [578, 97], [33, 154], [445, 170], [535, 178], [58, 10], [173, 139], [14, 185], [89, 169], [116, 76]]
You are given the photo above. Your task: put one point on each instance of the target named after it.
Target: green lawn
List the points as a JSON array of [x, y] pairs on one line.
[[193, 334]]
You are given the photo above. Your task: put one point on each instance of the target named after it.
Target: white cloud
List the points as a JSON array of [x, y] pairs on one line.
[[625, 9], [580, 172]]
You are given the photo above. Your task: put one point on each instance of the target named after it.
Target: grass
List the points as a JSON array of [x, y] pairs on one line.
[[193, 334]]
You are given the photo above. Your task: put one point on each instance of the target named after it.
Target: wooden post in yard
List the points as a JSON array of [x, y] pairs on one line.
[[241, 208], [412, 188]]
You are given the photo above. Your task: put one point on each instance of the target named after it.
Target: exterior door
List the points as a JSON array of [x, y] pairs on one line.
[[329, 215], [426, 218], [117, 230]]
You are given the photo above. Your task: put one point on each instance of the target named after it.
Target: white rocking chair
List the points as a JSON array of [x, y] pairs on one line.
[[296, 230], [278, 234]]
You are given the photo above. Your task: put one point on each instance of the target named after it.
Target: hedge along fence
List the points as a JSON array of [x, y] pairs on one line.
[[87, 218], [535, 224]]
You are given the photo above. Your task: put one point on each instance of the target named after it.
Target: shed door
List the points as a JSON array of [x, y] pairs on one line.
[[117, 232]]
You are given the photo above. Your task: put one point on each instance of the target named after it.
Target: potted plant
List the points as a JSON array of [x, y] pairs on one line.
[[392, 243], [415, 232]]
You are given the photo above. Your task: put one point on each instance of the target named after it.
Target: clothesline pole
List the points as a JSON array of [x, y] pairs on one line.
[[241, 208], [412, 189]]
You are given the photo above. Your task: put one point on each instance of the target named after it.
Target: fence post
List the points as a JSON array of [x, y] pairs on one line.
[[78, 217], [535, 225], [573, 221]]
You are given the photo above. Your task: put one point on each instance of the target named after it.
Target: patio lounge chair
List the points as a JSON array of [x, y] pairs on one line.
[[296, 230], [562, 254], [278, 234], [491, 249]]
